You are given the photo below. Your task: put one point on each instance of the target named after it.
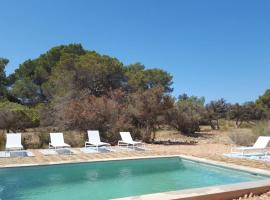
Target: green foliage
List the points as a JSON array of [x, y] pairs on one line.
[[98, 74], [27, 81], [186, 114], [68, 75], [140, 78], [264, 100], [247, 112], [80, 89], [216, 110], [136, 77], [15, 116], [3, 80]]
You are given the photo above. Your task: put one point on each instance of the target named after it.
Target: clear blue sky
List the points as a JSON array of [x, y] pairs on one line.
[[212, 48]]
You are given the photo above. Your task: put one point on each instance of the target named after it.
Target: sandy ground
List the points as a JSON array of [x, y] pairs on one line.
[[204, 149]]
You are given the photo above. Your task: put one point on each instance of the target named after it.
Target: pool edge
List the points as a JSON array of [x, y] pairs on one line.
[[222, 192], [192, 158]]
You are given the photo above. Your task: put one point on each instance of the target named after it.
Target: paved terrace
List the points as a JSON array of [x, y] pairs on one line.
[[209, 151]]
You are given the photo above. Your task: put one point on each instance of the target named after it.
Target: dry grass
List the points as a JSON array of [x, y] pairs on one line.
[[242, 137], [265, 196]]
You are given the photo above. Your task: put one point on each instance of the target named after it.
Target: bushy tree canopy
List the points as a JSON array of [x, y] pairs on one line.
[[79, 89], [29, 78], [264, 100], [247, 112], [3, 78], [186, 114], [216, 110], [140, 78], [16, 117], [69, 70]]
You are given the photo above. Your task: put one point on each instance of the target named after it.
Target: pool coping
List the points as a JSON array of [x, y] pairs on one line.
[[221, 192]]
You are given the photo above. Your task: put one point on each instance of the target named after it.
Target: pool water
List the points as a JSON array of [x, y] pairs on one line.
[[113, 179]]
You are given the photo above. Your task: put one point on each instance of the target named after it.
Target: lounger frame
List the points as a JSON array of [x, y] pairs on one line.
[[129, 142], [94, 140]]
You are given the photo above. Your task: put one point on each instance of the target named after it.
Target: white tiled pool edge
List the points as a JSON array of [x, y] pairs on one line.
[[222, 192]]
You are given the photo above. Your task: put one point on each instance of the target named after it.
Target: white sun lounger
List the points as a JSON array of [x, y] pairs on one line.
[[259, 145], [94, 140], [57, 141], [128, 141], [14, 141]]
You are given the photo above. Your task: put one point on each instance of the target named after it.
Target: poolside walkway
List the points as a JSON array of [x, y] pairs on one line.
[[208, 151]]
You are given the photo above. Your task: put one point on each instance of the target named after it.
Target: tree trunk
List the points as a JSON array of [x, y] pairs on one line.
[[212, 125], [238, 123], [218, 124]]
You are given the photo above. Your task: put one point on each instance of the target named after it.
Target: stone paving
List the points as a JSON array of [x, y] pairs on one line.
[[208, 151]]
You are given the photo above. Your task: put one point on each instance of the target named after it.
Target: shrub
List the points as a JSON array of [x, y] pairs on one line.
[[31, 140], [216, 110], [2, 140], [75, 138], [261, 128], [242, 137], [108, 115], [186, 114], [15, 116], [147, 109]]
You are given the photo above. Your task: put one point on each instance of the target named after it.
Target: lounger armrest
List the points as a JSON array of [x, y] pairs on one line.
[[67, 145], [121, 142], [50, 145], [237, 149]]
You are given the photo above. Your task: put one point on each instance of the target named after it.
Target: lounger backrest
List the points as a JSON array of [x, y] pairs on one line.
[[14, 139], [93, 136], [57, 138], [126, 137], [262, 142]]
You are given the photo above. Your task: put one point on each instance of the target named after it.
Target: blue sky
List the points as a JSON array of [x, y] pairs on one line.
[[212, 48]]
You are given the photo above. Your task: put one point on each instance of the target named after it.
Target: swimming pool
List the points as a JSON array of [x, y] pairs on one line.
[[114, 179]]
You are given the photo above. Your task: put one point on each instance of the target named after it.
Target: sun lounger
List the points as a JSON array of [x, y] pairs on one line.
[[57, 141], [128, 141], [14, 141], [94, 140], [259, 145]]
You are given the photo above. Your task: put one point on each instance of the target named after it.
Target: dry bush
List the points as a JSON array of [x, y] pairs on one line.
[[109, 115], [75, 138], [243, 137], [148, 109], [2, 140], [226, 125], [261, 128], [31, 140]]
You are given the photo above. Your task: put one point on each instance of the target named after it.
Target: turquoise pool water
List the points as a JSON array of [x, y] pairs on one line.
[[113, 179]]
